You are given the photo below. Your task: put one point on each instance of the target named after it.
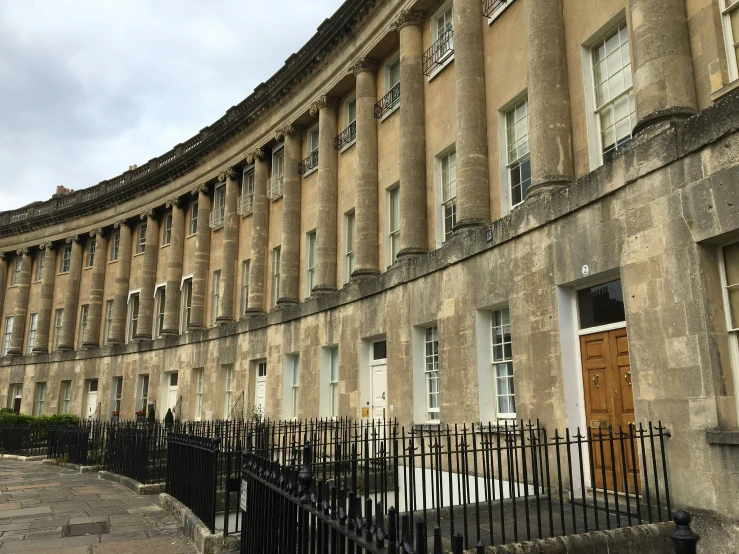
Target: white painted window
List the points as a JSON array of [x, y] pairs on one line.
[[66, 259], [216, 297], [333, 386], [198, 394], [66, 397], [293, 364], [449, 193], [141, 242], [275, 275], [133, 316], [40, 265], [91, 248], [274, 190], [40, 399], [143, 394], [349, 246], [167, 234], [193, 226], [7, 334], [615, 109], [313, 140], [160, 296], [502, 358], [730, 19], [17, 264], [185, 304], [15, 397], [441, 52], [391, 83], [84, 309], [219, 205], [108, 321], [431, 368], [245, 265], [392, 73], [58, 319], [32, 332], [115, 246], [493, 8], [116, 391], [310, 262], [246, 202], [228, 390], [393, 224], [730, 282], [518, 160]]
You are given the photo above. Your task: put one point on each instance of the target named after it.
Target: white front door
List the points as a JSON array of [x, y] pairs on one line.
[[260, 388], [379, 391], [92, 399], [172, 391]]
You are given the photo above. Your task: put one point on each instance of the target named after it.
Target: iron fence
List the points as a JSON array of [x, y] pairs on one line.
[[83, 444], [23, 440], [464, 485], [438, 52], [136, 451], [310, 162], [387, 102], [346, 137]]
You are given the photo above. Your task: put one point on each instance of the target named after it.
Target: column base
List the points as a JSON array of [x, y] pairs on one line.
[[63, 348], [411, 251], [253, 311], [90, 345], [12, 353], [40, 350], [660, 116], [322, 289], [192, 327], [546, 185], [287, 301], [365, 272], [470, 223], [139, 337], [116, 342], [170, 332], [224, 320]]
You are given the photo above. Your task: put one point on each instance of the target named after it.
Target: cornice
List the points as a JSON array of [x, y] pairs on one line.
[[333, 34]]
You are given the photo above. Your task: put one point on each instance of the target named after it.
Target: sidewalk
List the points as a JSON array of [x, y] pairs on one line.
[[48, 509]]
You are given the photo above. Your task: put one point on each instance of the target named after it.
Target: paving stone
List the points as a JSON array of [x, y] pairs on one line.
[[10, 506], [87, 519], [106, 511], [47, 545]]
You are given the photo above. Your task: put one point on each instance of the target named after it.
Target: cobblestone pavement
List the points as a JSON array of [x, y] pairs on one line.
[[44, 508]]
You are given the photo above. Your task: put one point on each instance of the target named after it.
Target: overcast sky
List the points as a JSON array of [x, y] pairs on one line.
[[89, 87]]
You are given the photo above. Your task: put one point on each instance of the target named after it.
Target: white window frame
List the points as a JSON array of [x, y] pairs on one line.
[[310, 147], [276, 268], [218, 214], [142, 393], [506, 164], [192, 226], [246, 200], [228, 390], [448, 57], [329, 400], [199, 384], [108, 321], [116, 393], [115, 246], [349, 244], [185, 302], [245, 267], [58, 322], [66, 261], [17, 268], [310, 262], [499, 10], [499, 357], [32, 328], [40, 262], [91, 249], [392, 235], [132, 314], [160, 298], [442, 201], [7, 334], [731, 58], [388, 84], [84, 313], [732, 331], [274, 189], [167, 232], [141, 238], [215, 295], [348, 120], [431, 373], [291, 393], [66, 397], [40, 407]]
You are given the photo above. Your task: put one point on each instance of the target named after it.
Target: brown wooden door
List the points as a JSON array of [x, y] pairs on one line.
[[609, 401]]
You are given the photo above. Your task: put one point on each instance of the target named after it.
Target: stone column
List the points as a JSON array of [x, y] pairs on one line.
[[290, 246], [148, 277], [664, 85], [97, 287], [174, 268], [231, 223], [46, 311], [3, 281], [412, 135], [473, 184], [21, 304], [120, 298], [328, 193], [550, 128], [259, 234], [72, 296], [201, 260], [366, 248]]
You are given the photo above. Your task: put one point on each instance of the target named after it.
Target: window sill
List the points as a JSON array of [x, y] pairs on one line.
[[139, 254], [390, 112], [493, 18], [60, 273], [309, 172], [724, 90], [348, 146], [165, 245], [112, 262], [191, 235], [87, 268], [448, 60], [723, 437]]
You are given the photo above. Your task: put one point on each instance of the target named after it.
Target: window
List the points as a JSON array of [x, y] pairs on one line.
[[133, 316], [185, 304], [730, 16], [313, 140], [143, 394], [15, 397], [310, 262], [614, 97], [84, 309], [275, 275], [442, 50], [351, 112], [116, 390], [392, 74], [730, 282], [91, 247], [293, 365], [7, 334], [198, 394], [278, 173], [141, 243], [108, 321], [247, 192], [40, 408], [17, 264], [503, 364], [66, 259], [518, 157], [32, 332], [393, 224], [334, 382], [219, 207], [58, 319], [65, 404], [115, 246], [244, 285], [601, 305], [216, 296], [193, 227], [229, 391], [40, 266], [167, 235], [160, 297], [349, 256], [431, 368], [449, 193]]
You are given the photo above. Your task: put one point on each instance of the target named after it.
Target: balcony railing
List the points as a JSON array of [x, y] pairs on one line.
[[309, 163], [388, 102], [274, 187], [490, 7], [245, 205], [346, 137], [216, 219], [439, 52]]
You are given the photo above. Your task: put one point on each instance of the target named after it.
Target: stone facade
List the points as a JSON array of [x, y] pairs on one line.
[[655, 213]]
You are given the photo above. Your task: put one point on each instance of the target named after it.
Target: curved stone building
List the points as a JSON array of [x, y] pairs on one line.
[[435, 212]]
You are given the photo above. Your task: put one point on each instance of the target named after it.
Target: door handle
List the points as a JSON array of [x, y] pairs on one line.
[[595, 380], [627, 376]]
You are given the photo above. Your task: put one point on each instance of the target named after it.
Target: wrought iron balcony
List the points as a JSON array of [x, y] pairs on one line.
[[309, 163], [490, 7], [216, 219], [274, 187], [388, 102], [245, 205], [346, 137], [439, 52]]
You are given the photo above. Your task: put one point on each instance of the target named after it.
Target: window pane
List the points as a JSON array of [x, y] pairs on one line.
[[379, 350], [601, 305], [731, 262]]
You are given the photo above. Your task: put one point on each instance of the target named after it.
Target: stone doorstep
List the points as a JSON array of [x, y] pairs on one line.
[[138, 488], [75, 467], [195, 530], [22, 458]]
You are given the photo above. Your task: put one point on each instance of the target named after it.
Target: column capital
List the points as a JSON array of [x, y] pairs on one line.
[[288, 130], [23, 251], [120, 223], [147, 214], [97, 232], [2, 255], [364, 64], [173, 202], [256, 155], [203, 187], [324, 101], [46, 246], [409, 17], [73, 238], [227, 173]]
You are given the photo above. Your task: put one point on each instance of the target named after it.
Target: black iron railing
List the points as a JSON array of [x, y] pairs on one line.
[[466, 486], [311, 162], [23, 440], [136, 451], [439, 51], [83, 444], [346, 137], [489, 7], [387, 102]]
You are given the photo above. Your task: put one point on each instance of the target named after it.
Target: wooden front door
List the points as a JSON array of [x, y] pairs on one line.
[[609, 409]]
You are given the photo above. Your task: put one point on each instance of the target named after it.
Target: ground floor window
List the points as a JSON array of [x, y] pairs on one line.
[[40, 408], [432, 373], [502, 357], [65, 398]]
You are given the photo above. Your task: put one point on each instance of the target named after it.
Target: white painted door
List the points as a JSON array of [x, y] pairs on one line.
[[92, 399], [379, 392], [260, 388], [172, 391]]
